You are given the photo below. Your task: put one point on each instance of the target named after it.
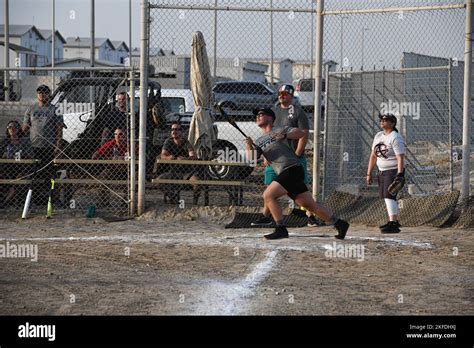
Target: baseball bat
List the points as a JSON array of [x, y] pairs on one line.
[[26, 207], [229, 119], [49, 210]]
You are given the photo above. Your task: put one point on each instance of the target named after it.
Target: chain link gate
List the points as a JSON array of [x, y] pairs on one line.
[[73, 130], [253, 47]]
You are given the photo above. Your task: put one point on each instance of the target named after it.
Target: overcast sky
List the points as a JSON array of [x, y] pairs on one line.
[[377, 39]]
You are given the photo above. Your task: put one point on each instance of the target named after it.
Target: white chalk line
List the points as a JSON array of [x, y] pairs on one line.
[[229, 297], [405, 242], [243, 239]]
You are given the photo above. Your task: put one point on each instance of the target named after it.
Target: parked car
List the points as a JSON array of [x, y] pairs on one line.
[[304, 90], [244, 95]]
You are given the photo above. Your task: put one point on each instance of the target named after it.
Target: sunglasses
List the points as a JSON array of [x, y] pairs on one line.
[[13, 127]]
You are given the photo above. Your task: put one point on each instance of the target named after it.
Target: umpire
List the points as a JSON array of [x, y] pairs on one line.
[[388, 151]]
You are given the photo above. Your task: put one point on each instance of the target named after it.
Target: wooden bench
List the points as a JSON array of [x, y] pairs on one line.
[[235, 188], [14, 163], [85, 166]]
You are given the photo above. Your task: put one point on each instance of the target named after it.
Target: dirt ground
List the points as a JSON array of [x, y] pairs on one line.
[[171, 262]]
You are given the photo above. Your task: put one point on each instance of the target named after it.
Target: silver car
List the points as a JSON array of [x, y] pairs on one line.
[[244, 95]]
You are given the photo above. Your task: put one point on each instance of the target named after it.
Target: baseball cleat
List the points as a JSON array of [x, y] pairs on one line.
[[280, 232], [341, 226]]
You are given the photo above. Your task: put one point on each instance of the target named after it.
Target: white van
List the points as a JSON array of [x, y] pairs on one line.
[[304, 90]]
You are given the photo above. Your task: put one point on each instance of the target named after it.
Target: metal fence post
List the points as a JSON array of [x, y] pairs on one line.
[[133, 176], [317, 96], [143, 105], [325, 137], [450, 126], [466, 131], [53, 45], [6, 92]]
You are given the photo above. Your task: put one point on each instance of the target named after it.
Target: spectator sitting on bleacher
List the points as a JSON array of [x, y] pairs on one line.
[[14, 147], [116, 148], [178, 148]]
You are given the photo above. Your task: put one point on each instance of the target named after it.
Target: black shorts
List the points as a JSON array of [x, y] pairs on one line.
[[385, 178], [292, 180]]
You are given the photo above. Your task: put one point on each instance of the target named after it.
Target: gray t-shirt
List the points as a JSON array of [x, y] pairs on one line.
[[43, 122], [386, 147], [293, 117], [277, 152]]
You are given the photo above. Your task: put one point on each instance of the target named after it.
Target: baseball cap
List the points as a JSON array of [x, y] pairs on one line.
[[13, 124], [287, 88], [391, 117], [43, 88], [266, 111]]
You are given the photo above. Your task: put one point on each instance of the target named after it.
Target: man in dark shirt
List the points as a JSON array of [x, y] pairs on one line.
[[117, 118], [178, 148]]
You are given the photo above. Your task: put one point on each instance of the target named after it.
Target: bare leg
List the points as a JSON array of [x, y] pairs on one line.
[[265, 211], [306, 200], [270, 196]]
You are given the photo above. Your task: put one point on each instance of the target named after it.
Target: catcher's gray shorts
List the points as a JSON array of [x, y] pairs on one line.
[[385, 178]]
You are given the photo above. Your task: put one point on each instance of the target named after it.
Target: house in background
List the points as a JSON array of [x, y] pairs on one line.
[[28, 37], [15, 53], [79, 62], [58, 49], [79, 47], [121, 52]]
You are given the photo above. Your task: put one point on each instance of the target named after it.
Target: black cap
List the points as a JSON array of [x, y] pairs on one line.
[[391, 117], [43, 88], [266, 111]]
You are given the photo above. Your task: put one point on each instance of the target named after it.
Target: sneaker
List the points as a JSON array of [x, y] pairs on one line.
[[386, 225], [392, 227], [341, 226], [313, 221], [280, 232], [263, 221]]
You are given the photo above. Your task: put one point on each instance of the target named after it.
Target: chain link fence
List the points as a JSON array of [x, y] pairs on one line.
[[405, 60], [68, 139]]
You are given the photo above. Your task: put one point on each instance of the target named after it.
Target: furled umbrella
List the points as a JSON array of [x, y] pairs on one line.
[[201, 131]]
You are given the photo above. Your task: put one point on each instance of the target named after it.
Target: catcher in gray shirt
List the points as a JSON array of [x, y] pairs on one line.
[[273, 145]]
